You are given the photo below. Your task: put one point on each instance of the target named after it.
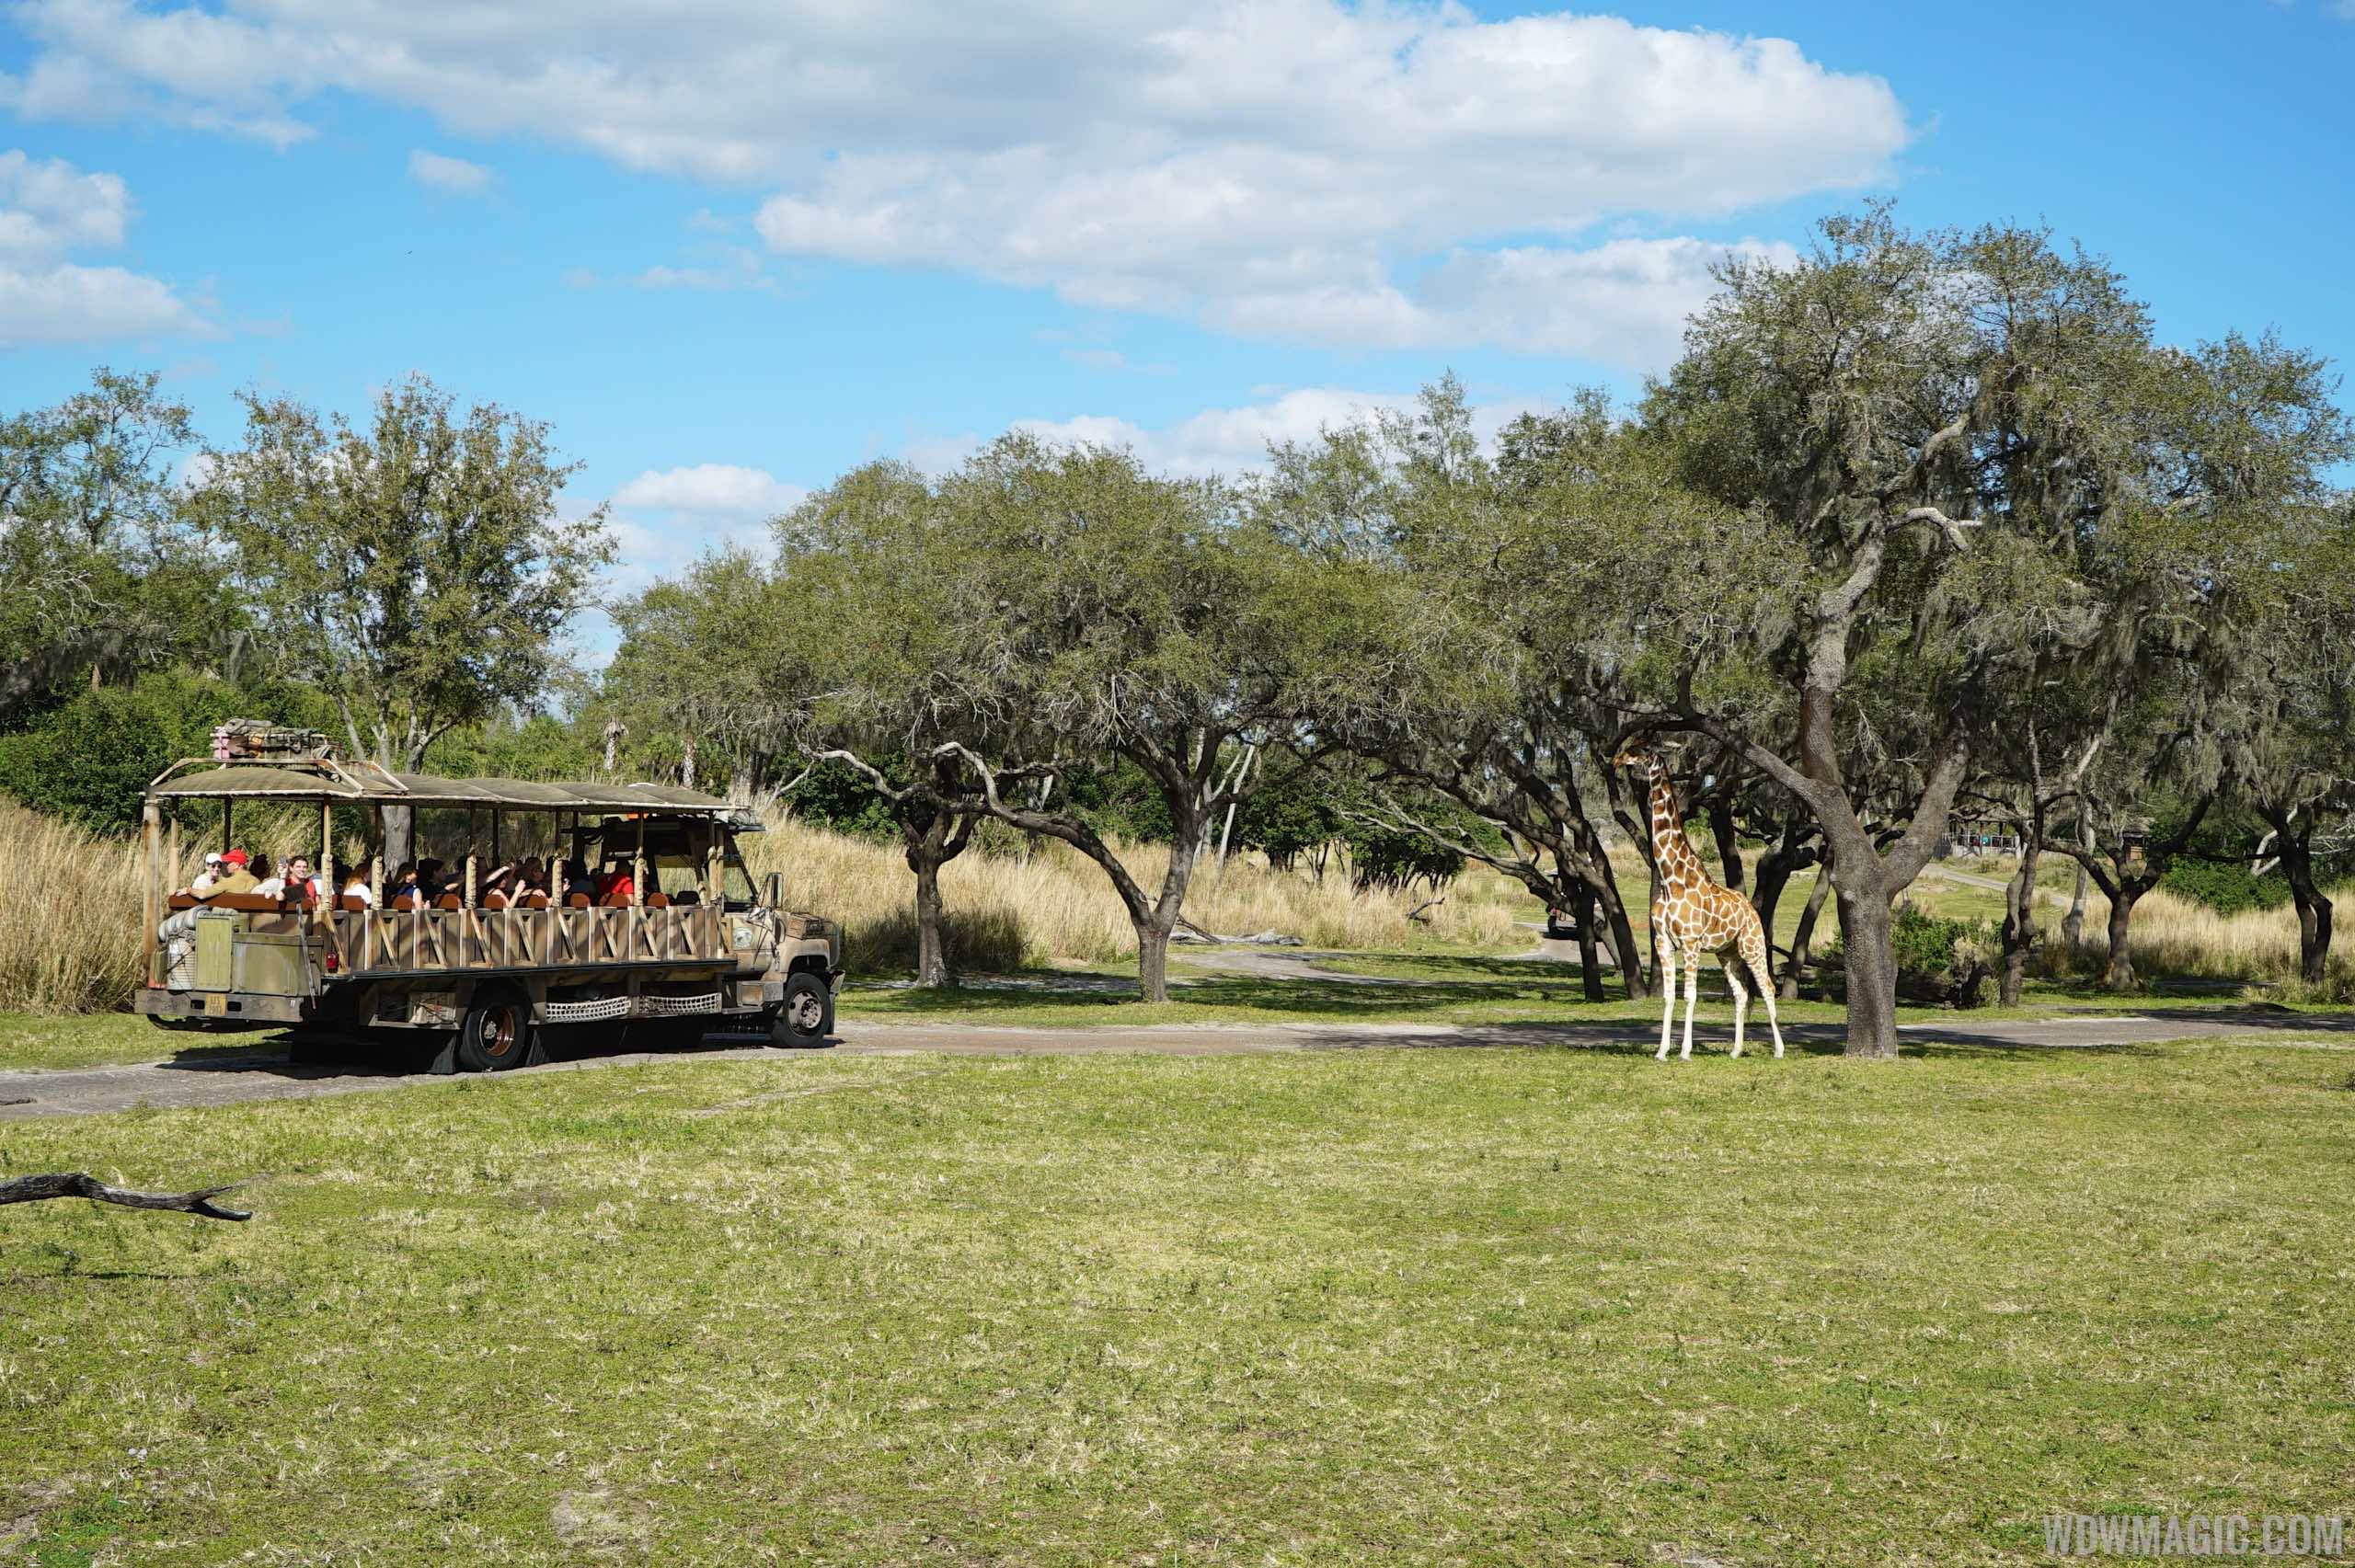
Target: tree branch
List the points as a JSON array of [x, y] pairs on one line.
[[75, 1184], [1950, 526], [874, 777]]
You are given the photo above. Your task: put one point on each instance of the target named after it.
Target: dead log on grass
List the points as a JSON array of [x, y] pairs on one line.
[[75, 1184]]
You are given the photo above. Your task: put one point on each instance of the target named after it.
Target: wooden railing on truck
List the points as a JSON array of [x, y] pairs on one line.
[[375, 940]]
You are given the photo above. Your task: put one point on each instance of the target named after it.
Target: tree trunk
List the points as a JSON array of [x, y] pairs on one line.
[[687, 765], [2118, 973], [1626, 951], [400, 835], [2073, 924], [932, 957], [1155, 922], [1804, 936], [1153, 960], [2296, 856], [1721, 827], [1774, 872], [2019, 925], [1872, 974], [1582, 907], [930, 836]]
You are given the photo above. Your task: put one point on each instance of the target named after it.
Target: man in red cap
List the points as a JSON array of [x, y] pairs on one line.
[[235, 876]]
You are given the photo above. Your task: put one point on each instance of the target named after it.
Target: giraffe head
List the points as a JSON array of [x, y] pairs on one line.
[[1638, 754]]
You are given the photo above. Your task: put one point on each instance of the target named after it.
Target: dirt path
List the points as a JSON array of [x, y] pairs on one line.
[[1968, 878], [267, 1074]]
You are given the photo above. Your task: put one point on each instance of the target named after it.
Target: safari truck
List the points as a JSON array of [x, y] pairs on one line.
[[488, 974]]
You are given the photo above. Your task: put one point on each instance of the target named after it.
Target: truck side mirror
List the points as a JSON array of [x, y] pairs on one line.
[[772, 890]]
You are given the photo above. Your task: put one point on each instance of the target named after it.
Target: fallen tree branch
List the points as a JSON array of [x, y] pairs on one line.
[[75, 1184]]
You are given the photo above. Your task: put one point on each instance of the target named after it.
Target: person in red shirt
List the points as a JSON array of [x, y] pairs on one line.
[[616, 885]]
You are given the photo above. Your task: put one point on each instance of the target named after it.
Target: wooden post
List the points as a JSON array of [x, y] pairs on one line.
[[327, 899], [637, 886], [172, 854], [152, 819], [375, 890], [559, 888], [228, 815], [473, 865]]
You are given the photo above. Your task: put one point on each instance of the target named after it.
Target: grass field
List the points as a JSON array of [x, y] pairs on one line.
[[1490, 1305]]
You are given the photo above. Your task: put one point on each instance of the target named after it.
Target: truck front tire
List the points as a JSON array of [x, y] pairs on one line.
[[806, 1016]]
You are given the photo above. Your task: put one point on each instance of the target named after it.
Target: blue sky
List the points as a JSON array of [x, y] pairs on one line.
[[737, 246]]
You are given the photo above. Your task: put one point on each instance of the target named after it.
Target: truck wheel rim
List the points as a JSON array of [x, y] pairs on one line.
[[808, 1016], [497, 1034]]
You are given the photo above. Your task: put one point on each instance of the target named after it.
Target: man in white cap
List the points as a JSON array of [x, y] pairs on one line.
[[178, 931], [207, 879]]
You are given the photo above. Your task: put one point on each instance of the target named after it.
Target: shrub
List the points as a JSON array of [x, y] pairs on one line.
[[1941, 961], [89, 761], [2225, 887]]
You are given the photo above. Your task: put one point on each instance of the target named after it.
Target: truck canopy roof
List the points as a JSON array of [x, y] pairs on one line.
[[363, 783]]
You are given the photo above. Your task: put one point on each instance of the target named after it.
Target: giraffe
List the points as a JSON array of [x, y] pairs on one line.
[[1696, 917]]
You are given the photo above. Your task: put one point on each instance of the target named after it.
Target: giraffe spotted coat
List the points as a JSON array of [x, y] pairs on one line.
[[1696, 918]]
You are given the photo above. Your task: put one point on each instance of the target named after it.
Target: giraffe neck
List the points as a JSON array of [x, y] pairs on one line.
[[1679, 861]]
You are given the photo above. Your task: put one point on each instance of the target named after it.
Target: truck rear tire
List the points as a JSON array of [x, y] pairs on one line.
[[497, 1034], [806, 1016]]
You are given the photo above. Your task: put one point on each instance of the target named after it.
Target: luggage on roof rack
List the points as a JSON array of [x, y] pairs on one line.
[[240, 738]]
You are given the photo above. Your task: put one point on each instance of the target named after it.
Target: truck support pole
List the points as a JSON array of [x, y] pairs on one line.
[[637, 886], [151, 821], [331, 894]]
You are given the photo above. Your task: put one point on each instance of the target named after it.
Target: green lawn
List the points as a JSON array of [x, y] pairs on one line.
[[1439, 1305], [45, 1040]]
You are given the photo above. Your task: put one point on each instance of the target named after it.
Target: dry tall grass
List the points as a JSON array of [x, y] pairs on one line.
[[1055, 904], [70, 905], [2175, 936], [67, 943]]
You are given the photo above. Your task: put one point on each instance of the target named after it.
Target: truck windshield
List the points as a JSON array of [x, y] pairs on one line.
[[735, 882]]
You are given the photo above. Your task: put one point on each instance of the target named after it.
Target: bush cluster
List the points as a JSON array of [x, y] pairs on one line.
[[2225, 887]]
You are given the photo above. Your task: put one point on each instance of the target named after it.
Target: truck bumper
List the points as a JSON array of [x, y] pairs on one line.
[[223, 1010]]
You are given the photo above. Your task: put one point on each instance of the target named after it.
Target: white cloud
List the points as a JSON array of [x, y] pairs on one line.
[[1374, 174], [665, 518], [454, 176], [711, 489], [1624, 303], [1218, 440], [719, 268], [49, 210]]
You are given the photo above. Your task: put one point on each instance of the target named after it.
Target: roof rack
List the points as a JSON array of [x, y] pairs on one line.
[[329, 778]]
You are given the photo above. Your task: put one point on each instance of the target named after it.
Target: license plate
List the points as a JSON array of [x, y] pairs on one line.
[[216, 1007]]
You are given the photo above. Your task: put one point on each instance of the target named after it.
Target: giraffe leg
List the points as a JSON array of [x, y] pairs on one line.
[[1668, 995], [1692, 1001], [1754, 953], [1740, 1001]]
